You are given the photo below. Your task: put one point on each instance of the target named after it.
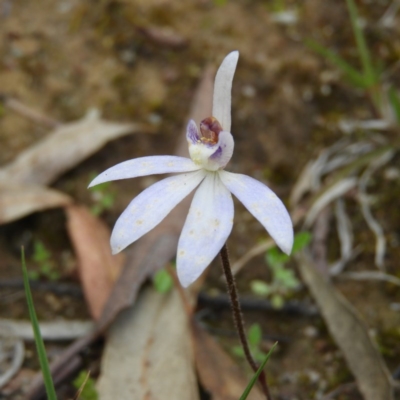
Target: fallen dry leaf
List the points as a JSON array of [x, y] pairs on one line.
[[219, 374], [98, 268], [23, 181], [17, 201], [63, 149], [149, 354], [350, 334]]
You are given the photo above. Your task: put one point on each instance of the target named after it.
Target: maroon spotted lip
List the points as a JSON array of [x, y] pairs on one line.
[[210, 129]]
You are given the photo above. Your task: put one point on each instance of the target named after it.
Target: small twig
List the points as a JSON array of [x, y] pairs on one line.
[[373, 224], [59, 288], [259, 248], [371, 276], [80, 390], [238, 318], [18, 351], [346, 388], [50, 330], [230, 333], [292, 308], [28, 112], [320, 234], [68, 360]]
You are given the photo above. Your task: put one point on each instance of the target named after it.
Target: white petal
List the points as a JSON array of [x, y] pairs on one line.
[[145, 166], [206, 229], [222, 90], [150, 207], [264, 204]]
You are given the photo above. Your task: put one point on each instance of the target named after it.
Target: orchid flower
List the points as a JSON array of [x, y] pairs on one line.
[[210, 218]]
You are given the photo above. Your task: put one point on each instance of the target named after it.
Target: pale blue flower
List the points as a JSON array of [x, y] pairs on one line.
[[210, 217]]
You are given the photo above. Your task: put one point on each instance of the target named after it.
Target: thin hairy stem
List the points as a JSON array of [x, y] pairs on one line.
[[238, 318]]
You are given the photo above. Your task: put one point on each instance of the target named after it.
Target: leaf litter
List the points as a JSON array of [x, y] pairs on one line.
[[42, 163], [168, 242]]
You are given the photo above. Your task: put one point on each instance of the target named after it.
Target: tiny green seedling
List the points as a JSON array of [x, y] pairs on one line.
[[43, 258], [254, 336], [283, 280], [162, 281], [86, 387], [102, 195]]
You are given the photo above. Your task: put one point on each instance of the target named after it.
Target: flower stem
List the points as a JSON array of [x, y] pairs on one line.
[[238, 318]]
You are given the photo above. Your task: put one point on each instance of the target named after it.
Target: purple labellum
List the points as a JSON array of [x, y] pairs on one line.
[[217, 153], [192, 133]]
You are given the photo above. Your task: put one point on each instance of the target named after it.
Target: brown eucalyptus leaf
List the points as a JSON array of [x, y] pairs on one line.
[[149, 354], [350, 334], [17, 201], [218, 373], [64, 148], [98, 268]]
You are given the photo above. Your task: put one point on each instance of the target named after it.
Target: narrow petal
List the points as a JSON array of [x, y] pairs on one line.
[[145, 166], [151, 206], [206, 229], [222, 90], [264, 204]]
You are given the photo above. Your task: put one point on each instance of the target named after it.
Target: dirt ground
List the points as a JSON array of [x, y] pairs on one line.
[[140, 61]]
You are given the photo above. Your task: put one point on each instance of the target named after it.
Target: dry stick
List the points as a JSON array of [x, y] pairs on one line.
[[238, 318], [28, 112]]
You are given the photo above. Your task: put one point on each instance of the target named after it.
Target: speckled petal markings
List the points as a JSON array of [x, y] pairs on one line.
[[144, 166], [206, 229], [151, 206], [264, 204]]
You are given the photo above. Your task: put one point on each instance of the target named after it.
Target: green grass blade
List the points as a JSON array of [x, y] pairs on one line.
[[44, 365], [394, 99], [365, 57], [353, 75], [257, 374]]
